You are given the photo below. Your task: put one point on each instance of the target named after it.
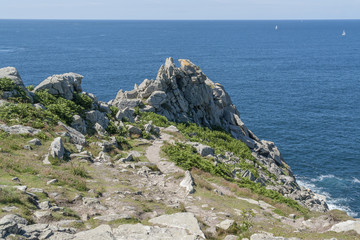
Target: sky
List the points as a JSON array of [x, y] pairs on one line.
[[180, 9]]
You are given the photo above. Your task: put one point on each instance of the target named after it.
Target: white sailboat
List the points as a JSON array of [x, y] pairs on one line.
[[343, 33], [276, 27]]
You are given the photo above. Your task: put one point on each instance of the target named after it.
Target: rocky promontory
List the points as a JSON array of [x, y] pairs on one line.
[[186, 94], [170, 159]]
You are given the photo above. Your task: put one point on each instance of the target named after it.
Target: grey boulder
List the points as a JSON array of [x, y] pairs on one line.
[[57, 149], [63, 85]]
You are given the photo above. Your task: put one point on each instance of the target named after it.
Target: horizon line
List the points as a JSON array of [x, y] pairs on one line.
[[105, 19]]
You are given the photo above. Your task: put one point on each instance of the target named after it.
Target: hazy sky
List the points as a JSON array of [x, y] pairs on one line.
[[180, 9]]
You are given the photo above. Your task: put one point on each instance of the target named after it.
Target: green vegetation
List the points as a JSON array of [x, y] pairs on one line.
[[9, 196], [8, 85], [157, 119], [221, 141], [26, 114], [185, 156], [63, 108]]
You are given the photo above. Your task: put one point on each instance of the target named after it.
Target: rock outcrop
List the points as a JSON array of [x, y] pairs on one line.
[[63, 85], [186, 94], [12, 74]]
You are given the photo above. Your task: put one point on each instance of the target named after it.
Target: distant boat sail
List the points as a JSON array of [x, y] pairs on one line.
[[343, 33], [276, 27]]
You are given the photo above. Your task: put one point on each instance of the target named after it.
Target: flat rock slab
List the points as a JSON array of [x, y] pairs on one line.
[[19, 129], [139, 231], [346, 226], [268, 236], [185, 221], [102, 232]]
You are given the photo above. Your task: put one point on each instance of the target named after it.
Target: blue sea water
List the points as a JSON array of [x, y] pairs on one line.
[[298, 86]]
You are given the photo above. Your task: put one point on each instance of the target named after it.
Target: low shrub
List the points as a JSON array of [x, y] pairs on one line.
[[63, 108], [186, 157], [26, 114], [157, 119], [7, 84]]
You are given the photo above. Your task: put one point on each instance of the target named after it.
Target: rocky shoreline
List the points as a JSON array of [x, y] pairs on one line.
[[87, 131]]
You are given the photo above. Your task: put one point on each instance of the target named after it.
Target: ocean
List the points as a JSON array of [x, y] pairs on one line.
[[298, 86]]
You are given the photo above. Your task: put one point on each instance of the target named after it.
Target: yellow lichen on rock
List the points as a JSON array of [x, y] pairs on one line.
[[184, 62]]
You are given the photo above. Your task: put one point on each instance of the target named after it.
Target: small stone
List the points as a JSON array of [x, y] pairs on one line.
[[44, 205], [20, 188], [52, 181], [293, 216], [42, 214], [231, 237], [35, 142], [15, 179], [27, 147], [36, 190], [9, 208], [226, 224]]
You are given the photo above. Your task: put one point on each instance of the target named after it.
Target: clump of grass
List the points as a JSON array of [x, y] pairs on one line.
[[9, 196], [79, 170]]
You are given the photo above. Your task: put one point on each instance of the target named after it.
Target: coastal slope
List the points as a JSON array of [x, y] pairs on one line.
[[170, 159]]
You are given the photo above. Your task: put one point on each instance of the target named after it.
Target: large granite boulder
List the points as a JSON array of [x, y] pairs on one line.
[[63, 85]]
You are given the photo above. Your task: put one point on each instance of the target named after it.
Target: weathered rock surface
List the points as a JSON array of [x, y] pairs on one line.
[[35, 142], [188, 183], [57, 149], [185, 221], [347, 226], [268, 236], [203, 150], [139, 231], [101, 232], [19, 129], [63, 85], [95, 116], [226, 224], [75, 136]]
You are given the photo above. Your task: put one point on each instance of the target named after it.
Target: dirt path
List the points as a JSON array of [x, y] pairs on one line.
[[153, 155]]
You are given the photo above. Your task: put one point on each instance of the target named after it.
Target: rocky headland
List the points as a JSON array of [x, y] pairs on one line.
[[170, 159]]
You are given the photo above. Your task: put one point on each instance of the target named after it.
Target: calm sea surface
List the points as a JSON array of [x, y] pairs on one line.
[[298, 86]]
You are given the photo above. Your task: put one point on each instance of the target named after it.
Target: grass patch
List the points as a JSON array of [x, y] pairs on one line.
[[186, 157]]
